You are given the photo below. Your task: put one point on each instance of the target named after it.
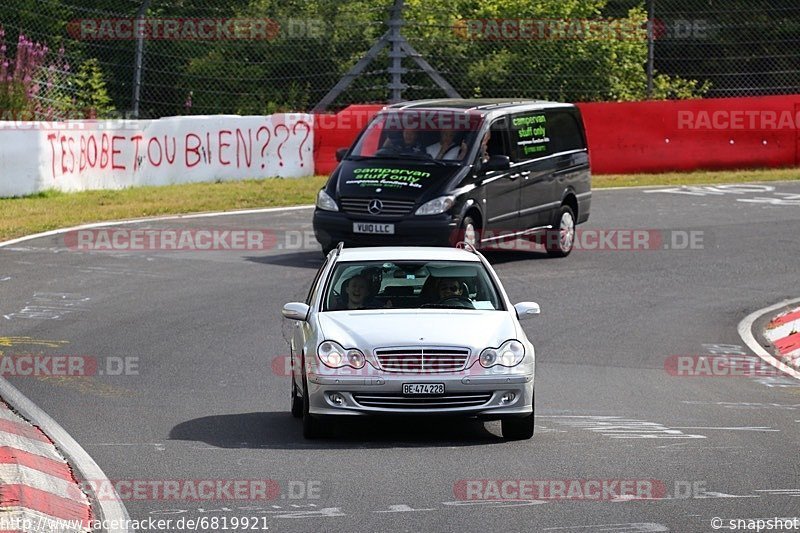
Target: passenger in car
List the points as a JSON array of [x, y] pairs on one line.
[[450, 288], [356, 294]]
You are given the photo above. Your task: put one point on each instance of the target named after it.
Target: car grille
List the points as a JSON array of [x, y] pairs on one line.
[[391, 208], [445, 401], [422, 360]]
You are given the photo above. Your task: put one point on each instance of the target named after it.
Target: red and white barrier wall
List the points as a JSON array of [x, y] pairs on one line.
[[626, 137], [83, 155]]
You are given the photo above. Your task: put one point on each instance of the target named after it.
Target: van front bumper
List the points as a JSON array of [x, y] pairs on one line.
[[332, 227]]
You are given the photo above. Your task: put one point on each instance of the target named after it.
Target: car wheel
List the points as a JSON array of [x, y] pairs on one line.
[[312, 426], [517, 428], [560, 240], [297, 401], [469, 232]]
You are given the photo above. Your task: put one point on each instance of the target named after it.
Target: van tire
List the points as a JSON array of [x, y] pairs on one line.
[[560, 240]]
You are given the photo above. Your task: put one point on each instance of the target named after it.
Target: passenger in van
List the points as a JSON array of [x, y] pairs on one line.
[[447, 148], [410, 143]]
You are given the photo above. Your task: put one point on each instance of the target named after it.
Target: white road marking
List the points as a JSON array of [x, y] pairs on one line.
[[402, 508], [746, 405], [781, 492], [617, 427], [734, 428], [642, 527]]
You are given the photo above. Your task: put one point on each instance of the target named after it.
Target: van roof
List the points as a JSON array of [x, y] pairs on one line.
[[482, 104]]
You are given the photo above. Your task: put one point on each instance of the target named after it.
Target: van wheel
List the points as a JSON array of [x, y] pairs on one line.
[[313, 428], [469, 232], [560, 240], [517, 428]]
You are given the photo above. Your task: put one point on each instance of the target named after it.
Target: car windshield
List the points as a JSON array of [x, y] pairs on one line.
[[433, 135], [411, 285]]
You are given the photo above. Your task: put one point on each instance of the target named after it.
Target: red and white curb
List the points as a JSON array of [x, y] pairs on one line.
[[745, 330], [38, 490], [783, 332]]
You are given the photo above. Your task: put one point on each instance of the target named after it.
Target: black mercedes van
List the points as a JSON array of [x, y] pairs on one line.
[[437, 172]]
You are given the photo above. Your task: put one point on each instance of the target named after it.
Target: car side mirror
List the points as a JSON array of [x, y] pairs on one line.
[[296, 311], [497, 162], [527, 310], [340, 153]]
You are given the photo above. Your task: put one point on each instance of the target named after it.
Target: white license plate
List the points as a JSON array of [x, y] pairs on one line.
[[373, 227], [410, 389]]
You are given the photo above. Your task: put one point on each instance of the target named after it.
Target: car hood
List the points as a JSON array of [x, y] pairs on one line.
[[392, 179], [368, 330]]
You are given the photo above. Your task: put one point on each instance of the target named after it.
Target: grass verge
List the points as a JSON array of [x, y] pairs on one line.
[[51, 209]]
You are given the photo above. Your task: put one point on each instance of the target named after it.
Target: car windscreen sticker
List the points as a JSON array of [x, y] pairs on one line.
[[531, 134], [388, 177]]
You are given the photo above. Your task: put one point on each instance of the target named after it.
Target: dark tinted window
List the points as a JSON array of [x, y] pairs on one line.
[[565, 132]]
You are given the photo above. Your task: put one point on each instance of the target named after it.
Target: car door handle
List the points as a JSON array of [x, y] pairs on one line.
[[514, 176], [527, 174]]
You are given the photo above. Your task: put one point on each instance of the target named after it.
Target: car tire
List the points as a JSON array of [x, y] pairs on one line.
[[469, 232], [313, 427], [560, 240], [518, 428], [297, 402]]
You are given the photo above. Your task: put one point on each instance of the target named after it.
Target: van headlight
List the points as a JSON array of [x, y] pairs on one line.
[[436, 206], [333, 355], [325, 202], [509, 354]]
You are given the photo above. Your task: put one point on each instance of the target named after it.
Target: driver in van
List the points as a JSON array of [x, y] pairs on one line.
[[409, 144]]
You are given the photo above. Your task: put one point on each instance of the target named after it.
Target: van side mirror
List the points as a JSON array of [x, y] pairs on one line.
[[497, 162], [340, 153]]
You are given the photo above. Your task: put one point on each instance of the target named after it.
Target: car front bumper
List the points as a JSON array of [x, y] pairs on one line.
[[471, 396]]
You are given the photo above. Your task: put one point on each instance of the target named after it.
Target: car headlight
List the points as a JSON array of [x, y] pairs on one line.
[[510, 353], [325, 202], [333, 355], [436, 206]]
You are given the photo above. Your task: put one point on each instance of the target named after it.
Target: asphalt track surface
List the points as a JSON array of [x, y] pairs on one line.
[[208, 403]]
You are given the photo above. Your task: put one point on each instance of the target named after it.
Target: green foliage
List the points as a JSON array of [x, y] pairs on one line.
[[90, 93]]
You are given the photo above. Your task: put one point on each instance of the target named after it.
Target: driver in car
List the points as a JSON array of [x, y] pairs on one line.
[[449, 289]]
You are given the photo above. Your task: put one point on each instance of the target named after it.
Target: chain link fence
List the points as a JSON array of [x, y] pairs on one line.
[[61, 58]]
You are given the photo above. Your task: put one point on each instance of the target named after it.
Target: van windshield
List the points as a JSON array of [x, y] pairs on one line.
[[419, 134]]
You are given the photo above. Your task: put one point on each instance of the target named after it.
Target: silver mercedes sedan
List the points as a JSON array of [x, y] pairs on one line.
[[410, 331]]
